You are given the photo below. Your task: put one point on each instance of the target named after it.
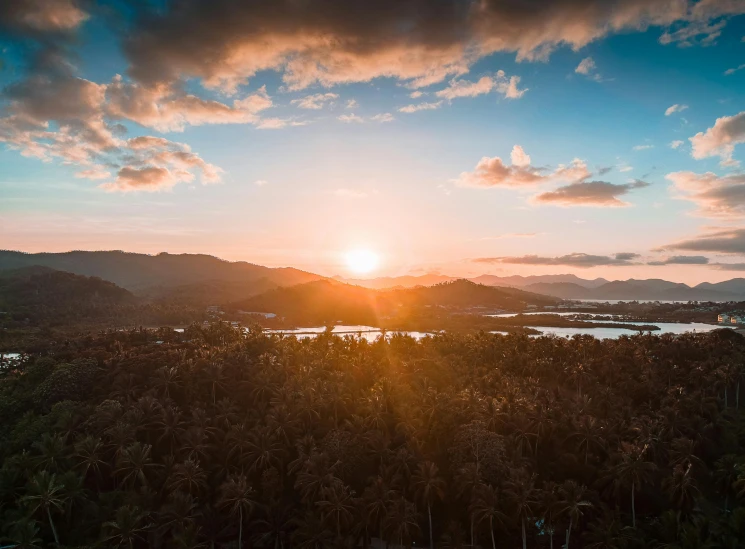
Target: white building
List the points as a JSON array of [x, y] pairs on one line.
[[723, 319]]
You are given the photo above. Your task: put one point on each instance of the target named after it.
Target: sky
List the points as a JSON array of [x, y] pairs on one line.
[[600, 138]]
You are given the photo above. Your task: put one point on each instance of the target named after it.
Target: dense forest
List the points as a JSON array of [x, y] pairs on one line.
[[328, 301], [224, 438]]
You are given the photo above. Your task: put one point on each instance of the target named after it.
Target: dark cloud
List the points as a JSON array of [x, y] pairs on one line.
[[571, 260], [328, 42], [682, 260], [589, 193], [724, 240], [38, 17]]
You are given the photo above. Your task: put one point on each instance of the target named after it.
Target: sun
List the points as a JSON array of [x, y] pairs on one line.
[[361, 261]]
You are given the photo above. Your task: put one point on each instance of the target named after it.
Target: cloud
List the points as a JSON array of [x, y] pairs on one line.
[[642, 147], [580, 260], [420, 43], [675, 144], [261, 182], [730, 240], [682, 260], [348, 118], [41, 16], [157, 164], [720, 139], [586, 66], [589, 193], [624, 169], [698, 32], [493, 172], [416, 94], [715, 196], [316, 101], [733, 71], [408, 109], [383, 117], [93, 173], [675, 108], [464, 88], [352, 104], [166, 110]]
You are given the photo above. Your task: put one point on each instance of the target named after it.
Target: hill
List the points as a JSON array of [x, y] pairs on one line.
[[40, 293], [326, 301], [157, 275]]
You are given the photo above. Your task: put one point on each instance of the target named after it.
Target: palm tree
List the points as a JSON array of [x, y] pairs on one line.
[[485, 506], [468, 480], [89, 455], [633, 471], [402, 520], [681, 487], [43, 495], [726, 474], [429, 486], [134, 464], [189, 477], [337, 502], [237, 496], [127, 526], [521, 491], [25, 535], [377, 498], [572, 504]]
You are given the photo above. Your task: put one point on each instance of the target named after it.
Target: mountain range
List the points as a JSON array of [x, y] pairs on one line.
[[569, 286], [204, 279]]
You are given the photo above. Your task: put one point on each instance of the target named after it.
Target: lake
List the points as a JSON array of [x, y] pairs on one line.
[[614, 333], [370, 333]]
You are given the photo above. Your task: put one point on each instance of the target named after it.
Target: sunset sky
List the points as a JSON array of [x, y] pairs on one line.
[[591, 137]]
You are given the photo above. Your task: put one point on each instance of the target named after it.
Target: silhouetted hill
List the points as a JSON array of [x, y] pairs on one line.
[[39, 292], [564, 290], [330, 301], [159, 274]]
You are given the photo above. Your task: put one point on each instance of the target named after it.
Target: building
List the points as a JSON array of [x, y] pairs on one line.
[[723, 319]]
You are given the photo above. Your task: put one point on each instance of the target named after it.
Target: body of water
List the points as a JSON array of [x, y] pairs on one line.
[[370, 333], [614, 333]]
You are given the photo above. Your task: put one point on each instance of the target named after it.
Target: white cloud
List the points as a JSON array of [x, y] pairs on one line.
[[642, 147], [720, 139], [586, 66], [675, 108], [260, 182], [350, 193], [349, 118], [675, 144], [416, 94], [625, 168], [383, 117], [736, 69], [316, 101], [352, 104], [408, 109], [493, 172]]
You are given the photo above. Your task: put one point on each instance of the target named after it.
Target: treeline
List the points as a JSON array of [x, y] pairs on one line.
[[221, 438]]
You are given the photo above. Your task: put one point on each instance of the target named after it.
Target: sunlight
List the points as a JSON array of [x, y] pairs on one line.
[[361, 261]]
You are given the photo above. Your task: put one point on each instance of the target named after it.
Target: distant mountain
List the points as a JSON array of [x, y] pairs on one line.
[[525, 281], [163, 273], [384, 282], [629, 290], [564, 290], [569, 286], [330, 301]]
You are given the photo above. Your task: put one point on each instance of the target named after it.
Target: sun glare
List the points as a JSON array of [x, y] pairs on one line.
[[362, 261]]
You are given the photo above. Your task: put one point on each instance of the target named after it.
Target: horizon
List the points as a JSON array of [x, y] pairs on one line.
[[595, 139], [351, 278]]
